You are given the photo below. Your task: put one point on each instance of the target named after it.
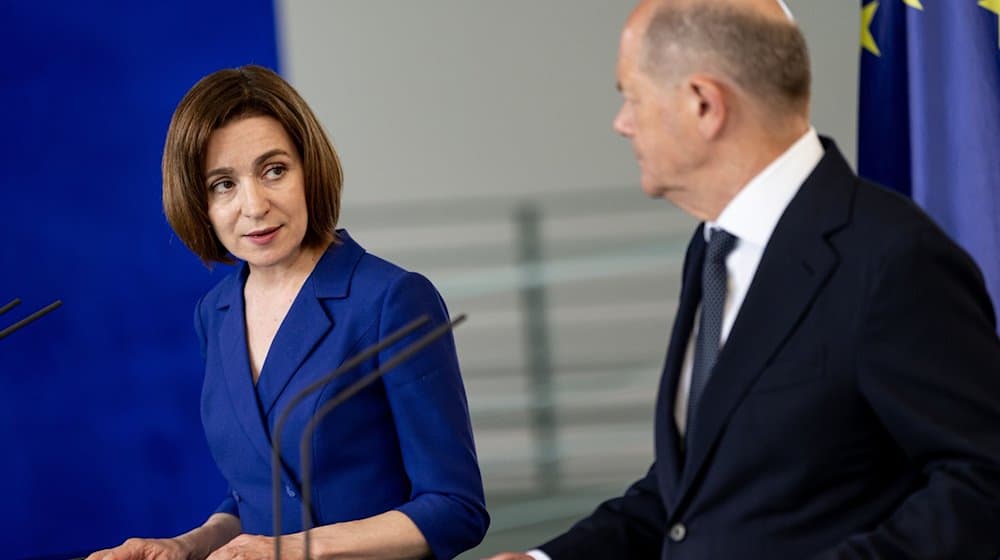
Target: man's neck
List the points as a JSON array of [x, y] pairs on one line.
[[742, 158]]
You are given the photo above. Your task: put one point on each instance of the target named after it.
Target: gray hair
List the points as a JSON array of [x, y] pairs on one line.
[[766, 57]]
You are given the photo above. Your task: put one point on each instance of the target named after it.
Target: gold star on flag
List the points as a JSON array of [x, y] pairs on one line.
[[867, 39], [914, 4], [993, 6]]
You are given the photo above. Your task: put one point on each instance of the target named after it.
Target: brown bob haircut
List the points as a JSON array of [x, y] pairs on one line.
[[216, 100]]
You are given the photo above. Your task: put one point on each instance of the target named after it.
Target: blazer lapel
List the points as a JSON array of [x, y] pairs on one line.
[[303, 327], [796, 264], [668, 440], [308, 321], [236, 367]]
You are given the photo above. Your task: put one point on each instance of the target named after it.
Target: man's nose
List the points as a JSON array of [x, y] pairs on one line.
[[623, 123]]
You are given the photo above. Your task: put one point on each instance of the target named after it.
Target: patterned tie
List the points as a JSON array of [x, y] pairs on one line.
[[713, 300]]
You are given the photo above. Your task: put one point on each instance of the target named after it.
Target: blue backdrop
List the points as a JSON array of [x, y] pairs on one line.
[[99, 408]]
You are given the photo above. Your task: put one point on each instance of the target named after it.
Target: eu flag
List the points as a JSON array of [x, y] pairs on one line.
[[930, 114]]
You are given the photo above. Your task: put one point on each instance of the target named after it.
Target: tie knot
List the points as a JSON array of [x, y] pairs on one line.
[[720, 244]]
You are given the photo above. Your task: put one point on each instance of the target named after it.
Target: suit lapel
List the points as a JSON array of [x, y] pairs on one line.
[[305, 325], [796, 264], [668, 440], [308, 322], [236, 367], [302, 330]]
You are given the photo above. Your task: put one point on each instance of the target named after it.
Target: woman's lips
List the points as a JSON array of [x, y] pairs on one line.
[[263, 236]]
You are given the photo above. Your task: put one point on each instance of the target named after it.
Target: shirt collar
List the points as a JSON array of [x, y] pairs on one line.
[[754, 212]]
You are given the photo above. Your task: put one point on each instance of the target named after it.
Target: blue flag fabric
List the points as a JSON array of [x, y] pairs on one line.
[[929, 123]]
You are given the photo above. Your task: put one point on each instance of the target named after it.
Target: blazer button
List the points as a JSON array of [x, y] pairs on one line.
[[289, 491], [677, 532]]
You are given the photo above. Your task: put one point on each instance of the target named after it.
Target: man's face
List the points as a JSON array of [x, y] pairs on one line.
[[656, 121]]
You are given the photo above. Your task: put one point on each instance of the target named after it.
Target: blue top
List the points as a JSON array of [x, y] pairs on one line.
[[403, 443]]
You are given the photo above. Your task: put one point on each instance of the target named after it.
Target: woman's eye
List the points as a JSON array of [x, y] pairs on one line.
[[275, 171], [223, 186]]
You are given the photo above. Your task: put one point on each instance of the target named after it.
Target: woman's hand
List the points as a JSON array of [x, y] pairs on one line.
[[256, 547], [193, 545], [145, 549]]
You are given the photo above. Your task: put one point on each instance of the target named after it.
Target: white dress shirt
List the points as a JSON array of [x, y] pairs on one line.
[[751, 216]]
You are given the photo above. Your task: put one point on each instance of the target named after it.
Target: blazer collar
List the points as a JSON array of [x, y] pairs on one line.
[[796, 264], [330, 279], [307, 323]]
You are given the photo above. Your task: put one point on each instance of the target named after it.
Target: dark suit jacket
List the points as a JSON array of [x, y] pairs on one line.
[[854, 411], [403, 443]]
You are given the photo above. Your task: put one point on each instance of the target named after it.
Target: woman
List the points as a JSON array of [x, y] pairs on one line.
[[249, 173]]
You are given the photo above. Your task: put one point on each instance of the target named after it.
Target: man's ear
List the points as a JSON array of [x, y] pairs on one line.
[[708, 102]]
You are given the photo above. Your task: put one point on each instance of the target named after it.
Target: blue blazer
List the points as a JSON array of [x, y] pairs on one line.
[[403, 443], [853, 413]]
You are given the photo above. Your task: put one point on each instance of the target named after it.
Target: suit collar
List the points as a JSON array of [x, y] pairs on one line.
[[795, 266]]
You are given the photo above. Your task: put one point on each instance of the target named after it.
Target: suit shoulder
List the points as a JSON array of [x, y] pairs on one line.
[[892, 232], [886, 218], [373, 267], [379, 275]]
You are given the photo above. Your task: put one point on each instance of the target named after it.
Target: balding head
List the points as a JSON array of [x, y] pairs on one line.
[[713, 91], [753, 44], [775, 10]]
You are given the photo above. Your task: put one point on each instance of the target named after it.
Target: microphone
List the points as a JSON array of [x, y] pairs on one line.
[[305, 450], [350, 364], [29, 319]]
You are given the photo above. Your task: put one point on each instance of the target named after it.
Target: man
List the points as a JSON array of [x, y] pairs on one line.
[[832, 383]]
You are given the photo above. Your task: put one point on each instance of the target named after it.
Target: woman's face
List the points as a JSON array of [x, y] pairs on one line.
[[256, 192]]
